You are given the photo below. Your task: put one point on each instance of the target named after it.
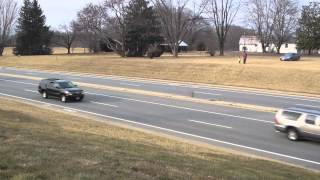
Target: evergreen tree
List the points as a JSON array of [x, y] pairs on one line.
[[142, 28], [308, 35], [33, 36]]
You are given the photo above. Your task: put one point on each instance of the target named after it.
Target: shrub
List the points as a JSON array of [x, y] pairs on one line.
[[211, 52], [154, 51]]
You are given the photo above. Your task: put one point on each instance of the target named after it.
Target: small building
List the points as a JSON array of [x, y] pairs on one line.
[[183, 46], [252, 44]]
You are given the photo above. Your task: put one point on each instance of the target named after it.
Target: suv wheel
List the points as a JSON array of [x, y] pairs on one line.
[[63, 98], [44, 94], [293, 134]]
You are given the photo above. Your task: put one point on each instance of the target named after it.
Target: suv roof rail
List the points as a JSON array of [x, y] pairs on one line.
[[52, 79], [314, 111]]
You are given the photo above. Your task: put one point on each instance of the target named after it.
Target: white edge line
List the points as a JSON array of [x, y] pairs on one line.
[[218, 125], [104, 104], [174, 131], [69, 110]]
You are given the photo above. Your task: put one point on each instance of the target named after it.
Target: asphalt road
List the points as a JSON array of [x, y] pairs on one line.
[[238, 129], [262, 98]]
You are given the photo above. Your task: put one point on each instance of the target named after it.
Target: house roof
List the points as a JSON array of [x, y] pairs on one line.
[[182, 44]]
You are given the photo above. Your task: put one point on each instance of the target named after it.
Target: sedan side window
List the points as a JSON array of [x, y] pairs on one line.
[[311, 119], [50, 85], [56, 85]]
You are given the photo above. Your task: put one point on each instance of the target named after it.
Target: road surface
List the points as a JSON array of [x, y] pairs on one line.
[[234, 128]]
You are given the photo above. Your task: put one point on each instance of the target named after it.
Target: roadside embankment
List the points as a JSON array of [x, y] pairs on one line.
[[40, 143]]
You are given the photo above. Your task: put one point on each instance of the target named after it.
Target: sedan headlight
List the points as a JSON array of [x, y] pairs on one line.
[[67, 92]]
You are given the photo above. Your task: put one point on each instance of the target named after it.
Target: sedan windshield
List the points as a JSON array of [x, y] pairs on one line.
[[66, 84], [289, 55]]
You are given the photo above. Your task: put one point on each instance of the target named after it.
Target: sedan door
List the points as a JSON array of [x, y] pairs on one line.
[[53, 90]]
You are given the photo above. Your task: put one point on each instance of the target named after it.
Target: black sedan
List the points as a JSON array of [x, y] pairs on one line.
[[62, 89]]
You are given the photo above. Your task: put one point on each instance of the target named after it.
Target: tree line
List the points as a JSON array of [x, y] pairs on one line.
[[135, 28]]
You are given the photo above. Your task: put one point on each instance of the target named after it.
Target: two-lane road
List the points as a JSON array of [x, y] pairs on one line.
[[254, 97]]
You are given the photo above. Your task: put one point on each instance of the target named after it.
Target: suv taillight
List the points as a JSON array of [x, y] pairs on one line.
[[276, 121]]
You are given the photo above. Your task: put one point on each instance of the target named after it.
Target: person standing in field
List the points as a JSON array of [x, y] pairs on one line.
[[244, 56]]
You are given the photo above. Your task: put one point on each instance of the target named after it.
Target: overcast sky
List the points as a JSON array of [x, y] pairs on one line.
[[60, 12]]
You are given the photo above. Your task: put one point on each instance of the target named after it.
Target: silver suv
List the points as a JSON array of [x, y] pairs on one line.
[[299, 123]]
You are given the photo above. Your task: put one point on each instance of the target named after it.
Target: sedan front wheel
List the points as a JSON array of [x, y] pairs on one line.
[[63, 98], [44, 94]]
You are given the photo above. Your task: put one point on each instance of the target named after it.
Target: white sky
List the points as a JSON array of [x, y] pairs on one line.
[[60, 12]]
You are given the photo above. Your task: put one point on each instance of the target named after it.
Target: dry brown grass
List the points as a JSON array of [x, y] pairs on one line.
[[261, 71], [43, 144]]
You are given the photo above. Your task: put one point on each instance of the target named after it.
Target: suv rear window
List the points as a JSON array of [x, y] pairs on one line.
[[294, 116]]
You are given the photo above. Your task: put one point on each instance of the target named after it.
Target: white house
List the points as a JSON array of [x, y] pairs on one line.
[[252, 44]]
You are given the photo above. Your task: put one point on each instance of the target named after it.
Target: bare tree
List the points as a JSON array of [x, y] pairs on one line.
[[222, 14], [177, 20], [8, 14], [285, 21], [90, 23], [261, 17], [66, 36], [115, 33]]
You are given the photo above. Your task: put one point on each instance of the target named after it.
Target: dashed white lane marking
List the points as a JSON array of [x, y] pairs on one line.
[[184, 108], [130, 84], [19, 82], [305, 105], [176, 132], [218, 125], [206, 93], [104, 104], [28, 90]]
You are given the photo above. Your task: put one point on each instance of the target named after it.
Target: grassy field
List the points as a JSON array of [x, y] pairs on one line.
[[42, 144], [261, 71]]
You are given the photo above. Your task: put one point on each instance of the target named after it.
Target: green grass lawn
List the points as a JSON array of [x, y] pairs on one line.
[[41, 144]]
